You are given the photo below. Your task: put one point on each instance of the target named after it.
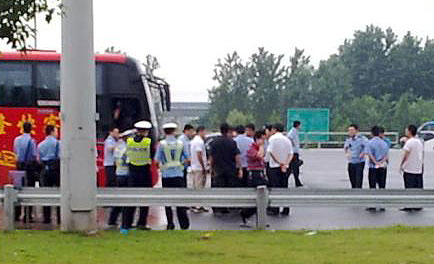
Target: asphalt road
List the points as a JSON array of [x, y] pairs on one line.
[[325, 168]]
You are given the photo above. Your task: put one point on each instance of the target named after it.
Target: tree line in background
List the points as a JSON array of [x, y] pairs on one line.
[[373, 79]]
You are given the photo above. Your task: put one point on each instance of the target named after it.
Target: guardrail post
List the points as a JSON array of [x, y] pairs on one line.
[[261, 205], [9, 207]]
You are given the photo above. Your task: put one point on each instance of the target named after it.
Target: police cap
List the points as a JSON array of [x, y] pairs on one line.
[[143, 125], [170, 126]]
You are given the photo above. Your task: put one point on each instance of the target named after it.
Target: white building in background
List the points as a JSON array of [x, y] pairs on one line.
[[185, 112]]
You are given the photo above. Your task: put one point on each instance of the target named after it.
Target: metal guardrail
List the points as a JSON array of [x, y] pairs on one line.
[[338, 138], [223, 197]]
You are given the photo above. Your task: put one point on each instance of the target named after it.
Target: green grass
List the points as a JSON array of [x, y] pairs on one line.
[[389, 245]]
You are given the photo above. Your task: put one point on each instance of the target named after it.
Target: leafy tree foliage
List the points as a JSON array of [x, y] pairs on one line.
[[236, 118], [16, 17], [375, 78]]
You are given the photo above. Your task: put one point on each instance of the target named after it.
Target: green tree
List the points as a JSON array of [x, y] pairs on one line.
[[403, 71], [114, 50], [16, 18], [231, 90], [267, 76], [297, 90], [366, 58], [236, 118], [151, 64]]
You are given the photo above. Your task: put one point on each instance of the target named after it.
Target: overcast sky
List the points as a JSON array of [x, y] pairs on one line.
[[188, 36]]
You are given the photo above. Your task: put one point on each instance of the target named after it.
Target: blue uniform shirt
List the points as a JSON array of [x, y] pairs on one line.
[[357, 145], [186, 141], [293, 136], [24, 150], [243, 144], [160, 157], [109, 145], [378, 148], [49, 149], [388, 142]]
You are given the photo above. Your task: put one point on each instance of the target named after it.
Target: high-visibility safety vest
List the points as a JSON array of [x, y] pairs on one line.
[[172, 152], [121, 160], [139, 153]]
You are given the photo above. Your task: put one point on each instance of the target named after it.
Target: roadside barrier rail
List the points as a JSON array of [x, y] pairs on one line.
[[261, 198], [321, 139]]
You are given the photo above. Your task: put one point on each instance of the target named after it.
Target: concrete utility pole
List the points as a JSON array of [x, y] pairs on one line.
[[78, 113]]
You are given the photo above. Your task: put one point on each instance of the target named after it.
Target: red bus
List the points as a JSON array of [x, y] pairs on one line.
[[30, 91]]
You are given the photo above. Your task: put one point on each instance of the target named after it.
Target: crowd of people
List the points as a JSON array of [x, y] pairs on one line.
[[237, 157]]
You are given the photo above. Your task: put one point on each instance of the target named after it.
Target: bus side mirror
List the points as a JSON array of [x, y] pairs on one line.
[[167, 97]]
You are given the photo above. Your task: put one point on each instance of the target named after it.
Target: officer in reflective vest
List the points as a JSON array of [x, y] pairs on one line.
[[171, 158], [139, 155]]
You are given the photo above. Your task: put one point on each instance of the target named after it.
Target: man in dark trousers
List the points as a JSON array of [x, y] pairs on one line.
[[171, 157], [25, 150], [225, 161], [412, 163], [140, 154], [281, 154], [48, 151], [355, 149], [378, 153], [109, 161], [295, 163]]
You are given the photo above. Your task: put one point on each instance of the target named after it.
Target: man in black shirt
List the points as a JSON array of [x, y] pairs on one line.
[[225, 160]]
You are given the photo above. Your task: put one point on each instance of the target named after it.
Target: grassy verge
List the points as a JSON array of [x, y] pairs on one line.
[[389, 245]]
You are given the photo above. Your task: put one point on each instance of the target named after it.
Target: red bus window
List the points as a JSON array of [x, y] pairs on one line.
[[16, 84]]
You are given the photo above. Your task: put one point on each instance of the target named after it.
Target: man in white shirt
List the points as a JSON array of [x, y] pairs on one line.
[[295, 163], [199, 163], [109, 160], [281, 153], [412, 162], [186, 137]]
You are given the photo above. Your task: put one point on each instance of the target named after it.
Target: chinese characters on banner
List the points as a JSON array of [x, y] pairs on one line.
[[11, 126]]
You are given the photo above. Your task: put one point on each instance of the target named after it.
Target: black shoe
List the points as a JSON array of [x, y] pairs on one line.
[[144, 228], [186, 227], [46, 221], [285, 212], [371, 209], [170, 227], [382, 209], [245, 222], [243, 218], [272, 213]]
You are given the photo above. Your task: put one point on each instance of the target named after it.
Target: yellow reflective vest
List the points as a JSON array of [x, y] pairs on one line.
[[139, 153], [172, 160]]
